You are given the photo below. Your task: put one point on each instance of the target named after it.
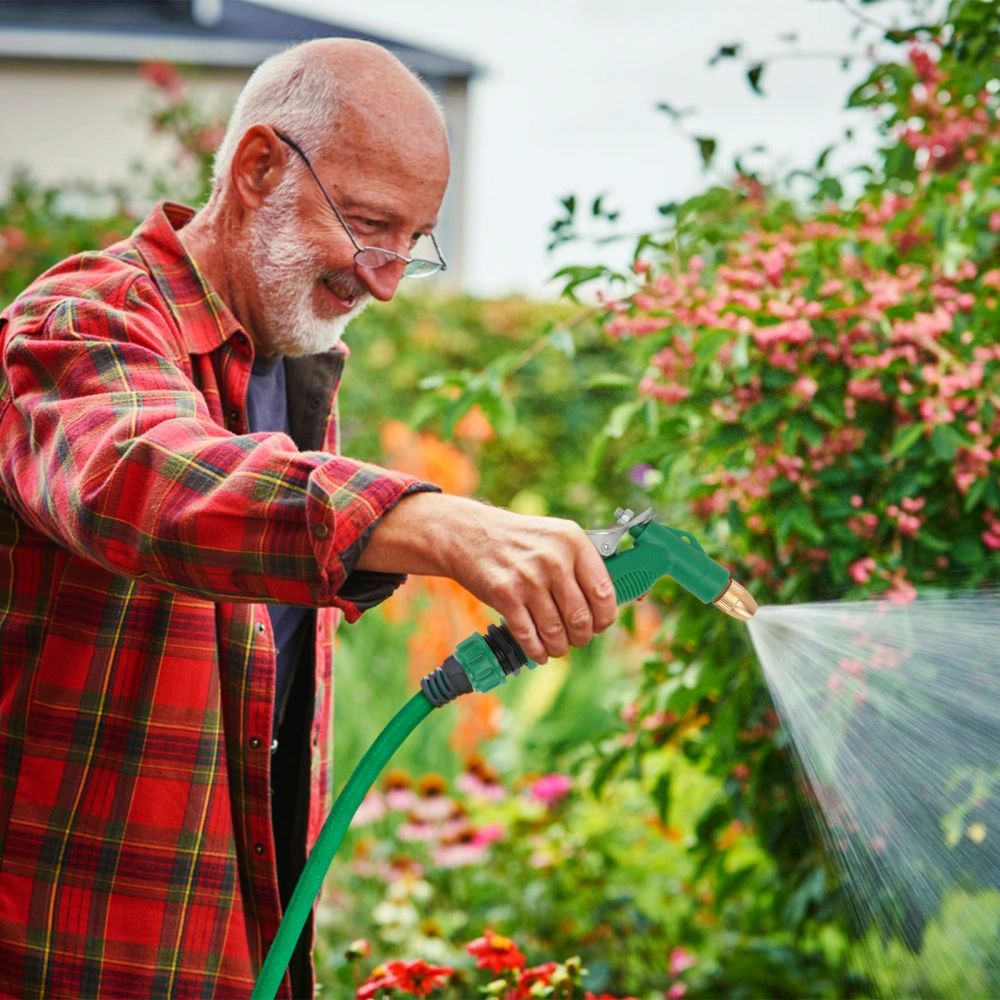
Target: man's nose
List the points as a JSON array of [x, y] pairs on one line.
[[383, 281]]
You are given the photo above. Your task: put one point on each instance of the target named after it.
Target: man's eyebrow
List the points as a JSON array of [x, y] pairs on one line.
[[377, 211]]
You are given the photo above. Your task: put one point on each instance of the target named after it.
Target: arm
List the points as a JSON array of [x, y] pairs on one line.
[[110, 450], [542, 574]]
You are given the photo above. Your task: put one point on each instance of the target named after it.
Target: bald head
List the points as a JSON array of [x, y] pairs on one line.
[[281, 239], [338, 95]]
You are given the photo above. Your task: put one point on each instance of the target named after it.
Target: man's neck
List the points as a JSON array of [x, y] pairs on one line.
[[214, 242]]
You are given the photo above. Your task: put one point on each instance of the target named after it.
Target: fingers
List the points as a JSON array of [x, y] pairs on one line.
[[596, 583], [567, 604], [521, 626], [576, 616]]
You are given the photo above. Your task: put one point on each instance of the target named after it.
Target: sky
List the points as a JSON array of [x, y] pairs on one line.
[[566, 104]]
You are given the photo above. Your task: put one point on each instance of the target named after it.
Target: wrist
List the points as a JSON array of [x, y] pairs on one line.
[[417, 535]]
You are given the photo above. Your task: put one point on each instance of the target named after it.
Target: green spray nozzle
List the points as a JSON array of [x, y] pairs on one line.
[[483, 662]]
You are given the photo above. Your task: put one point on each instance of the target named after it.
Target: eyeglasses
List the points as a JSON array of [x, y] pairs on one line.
[[416, 267]]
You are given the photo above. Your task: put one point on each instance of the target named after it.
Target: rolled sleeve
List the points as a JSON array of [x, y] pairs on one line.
[[340, 525]]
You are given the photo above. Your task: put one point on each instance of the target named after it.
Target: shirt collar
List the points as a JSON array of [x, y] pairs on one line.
[[204, 319]]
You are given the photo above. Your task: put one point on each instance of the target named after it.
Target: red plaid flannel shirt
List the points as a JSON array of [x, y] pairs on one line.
[[140, 528]]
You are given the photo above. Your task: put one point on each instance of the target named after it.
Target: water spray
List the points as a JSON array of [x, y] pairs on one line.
[[483, 662]]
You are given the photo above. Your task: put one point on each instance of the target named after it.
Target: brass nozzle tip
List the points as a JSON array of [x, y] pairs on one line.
[[736, 602]]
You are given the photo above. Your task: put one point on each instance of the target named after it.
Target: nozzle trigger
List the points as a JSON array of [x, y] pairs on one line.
[[606, 539]]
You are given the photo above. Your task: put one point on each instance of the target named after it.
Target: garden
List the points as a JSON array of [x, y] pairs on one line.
[[802, 371]]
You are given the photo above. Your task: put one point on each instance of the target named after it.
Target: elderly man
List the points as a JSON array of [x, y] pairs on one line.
[[178, 537]]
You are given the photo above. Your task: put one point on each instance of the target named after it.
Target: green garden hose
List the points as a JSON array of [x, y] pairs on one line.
[[311, 881], [483, 662]]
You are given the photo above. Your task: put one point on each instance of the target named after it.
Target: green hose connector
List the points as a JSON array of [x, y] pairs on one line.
[[311, 880]]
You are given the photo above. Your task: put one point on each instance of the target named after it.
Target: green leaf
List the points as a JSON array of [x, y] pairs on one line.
[[945, 442], [933, 542], [606, 768], [735, 518], [676, 113], [620, 418], [905, 439], [724, 52], [726, 436], [975, 494], [562, 340], [706, 148], [661, 797], [968, 552], [577, 276], [753, 75], [607, 379]]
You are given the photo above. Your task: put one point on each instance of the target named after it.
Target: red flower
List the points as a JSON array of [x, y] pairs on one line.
[[496, 953], [538, 974], [164, 75], [415, 977]]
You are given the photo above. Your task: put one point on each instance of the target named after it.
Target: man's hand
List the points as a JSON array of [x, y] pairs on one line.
[[542, 574]]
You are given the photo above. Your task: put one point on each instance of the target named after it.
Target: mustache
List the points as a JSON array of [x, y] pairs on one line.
[[346, 281]]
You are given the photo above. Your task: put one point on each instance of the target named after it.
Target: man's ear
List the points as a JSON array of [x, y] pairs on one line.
[[258, 165]]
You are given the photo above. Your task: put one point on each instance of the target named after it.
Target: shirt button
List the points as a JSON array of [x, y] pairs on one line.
[[261, 627], [254, 742], [234, 415], [320, 530], [258, 849], [315, 403]]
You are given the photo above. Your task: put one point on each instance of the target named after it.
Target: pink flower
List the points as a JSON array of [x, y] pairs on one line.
[[680, 960], [806, 387], [474, 786], [676, 991], [400, 799], [371, 810], [856, 501], [488, 834], [551, 789], [994, 222], [990, 540], [415, 829], [862, 570], [852, 667]]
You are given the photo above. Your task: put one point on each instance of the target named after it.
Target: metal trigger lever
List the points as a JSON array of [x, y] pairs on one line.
[[606, 539]]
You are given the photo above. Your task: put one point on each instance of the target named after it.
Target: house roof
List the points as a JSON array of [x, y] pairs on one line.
[[199, 32]]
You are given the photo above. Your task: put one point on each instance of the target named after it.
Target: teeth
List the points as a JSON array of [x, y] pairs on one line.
[[340, 291]]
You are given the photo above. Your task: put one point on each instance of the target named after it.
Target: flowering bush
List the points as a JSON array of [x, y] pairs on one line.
[[820, 394], [538, 860]]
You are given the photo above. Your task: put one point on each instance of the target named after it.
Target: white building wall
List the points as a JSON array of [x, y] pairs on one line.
[[68, 122]]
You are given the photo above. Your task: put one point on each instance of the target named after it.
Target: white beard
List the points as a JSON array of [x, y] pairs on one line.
[[287, 269]]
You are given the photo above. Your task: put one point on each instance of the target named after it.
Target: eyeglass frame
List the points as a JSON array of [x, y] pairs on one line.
[[435, 266]]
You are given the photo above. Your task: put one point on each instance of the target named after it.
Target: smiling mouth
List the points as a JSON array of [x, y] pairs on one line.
[[346, 296]]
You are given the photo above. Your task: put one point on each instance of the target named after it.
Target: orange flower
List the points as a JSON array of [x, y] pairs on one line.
[[475, 426]]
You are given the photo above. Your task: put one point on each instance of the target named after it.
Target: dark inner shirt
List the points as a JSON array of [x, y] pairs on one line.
[[267, 410]]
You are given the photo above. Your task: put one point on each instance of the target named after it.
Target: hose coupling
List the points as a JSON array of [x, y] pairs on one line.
[[736, 602]]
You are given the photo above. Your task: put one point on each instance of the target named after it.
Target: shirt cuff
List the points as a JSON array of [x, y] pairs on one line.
[[364, 589]]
